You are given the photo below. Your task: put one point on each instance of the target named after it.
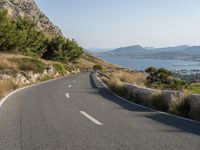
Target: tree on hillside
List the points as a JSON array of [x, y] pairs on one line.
[[22, 35], [8, 36], [55, 48], [32, 40], [73, 50], [59, 48]]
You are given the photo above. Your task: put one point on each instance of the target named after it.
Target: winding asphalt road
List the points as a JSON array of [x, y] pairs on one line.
[[79, 113]]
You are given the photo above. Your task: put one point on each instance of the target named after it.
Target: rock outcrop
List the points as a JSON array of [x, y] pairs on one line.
[[28, 8]]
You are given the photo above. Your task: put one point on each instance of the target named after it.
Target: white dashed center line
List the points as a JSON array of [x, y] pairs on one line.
[[91, 118], [67, 95], [69, 86]]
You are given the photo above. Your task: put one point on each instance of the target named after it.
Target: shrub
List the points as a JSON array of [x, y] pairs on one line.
[[97, 67], [46, 77], [158, 75], [29, 64], [60, 68], [151, 70]]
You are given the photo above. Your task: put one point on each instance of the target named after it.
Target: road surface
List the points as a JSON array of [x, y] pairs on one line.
[[79, 113]]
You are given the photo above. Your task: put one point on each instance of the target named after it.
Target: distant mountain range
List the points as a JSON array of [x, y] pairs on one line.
[[182, 52]]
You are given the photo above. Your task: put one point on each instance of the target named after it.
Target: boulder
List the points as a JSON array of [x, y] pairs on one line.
[[6, 77], [33, 77], [49, 70], [21, 79]]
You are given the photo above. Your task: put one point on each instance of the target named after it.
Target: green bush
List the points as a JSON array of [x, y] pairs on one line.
[[97, 67], [60, 68], [69, 68], [46, 77], [59, 48], [160, 75], [29, 64]]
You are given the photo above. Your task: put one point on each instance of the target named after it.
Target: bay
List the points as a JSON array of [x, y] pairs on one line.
[[142, 64]]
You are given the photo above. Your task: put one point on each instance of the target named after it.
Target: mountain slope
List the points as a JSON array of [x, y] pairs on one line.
[[126, 51], [28, 8], [183, 52]]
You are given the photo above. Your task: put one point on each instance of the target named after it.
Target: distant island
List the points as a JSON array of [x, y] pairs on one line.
[[182, 52]]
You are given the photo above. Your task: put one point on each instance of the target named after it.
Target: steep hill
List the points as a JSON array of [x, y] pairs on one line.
[[28, 8]]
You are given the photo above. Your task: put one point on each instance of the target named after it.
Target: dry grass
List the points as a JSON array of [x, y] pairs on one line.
[[12, 63], [87, 61], [133, 77], [5, 63], [85, 64], [7, 86], [116, 86]]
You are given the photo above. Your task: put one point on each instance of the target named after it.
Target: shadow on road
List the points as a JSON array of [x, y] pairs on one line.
[[180, 124], [109, 96]]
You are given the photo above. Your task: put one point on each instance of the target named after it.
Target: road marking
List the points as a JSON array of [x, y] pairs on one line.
[[2, 101], [69, 86], [67, 95], [91, 118], [75, 81]]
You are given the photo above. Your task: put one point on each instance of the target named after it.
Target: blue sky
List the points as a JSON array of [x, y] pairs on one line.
[[116, 23]]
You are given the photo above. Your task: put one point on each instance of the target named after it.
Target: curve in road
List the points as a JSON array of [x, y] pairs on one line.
[[78, 112]]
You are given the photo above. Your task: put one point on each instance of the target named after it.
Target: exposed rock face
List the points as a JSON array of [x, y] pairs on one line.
[[28, 8]]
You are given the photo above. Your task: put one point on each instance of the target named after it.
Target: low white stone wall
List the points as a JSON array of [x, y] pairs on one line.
[[169, 96]]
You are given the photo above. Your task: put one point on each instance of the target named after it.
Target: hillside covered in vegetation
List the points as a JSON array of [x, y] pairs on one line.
[[29, 54]]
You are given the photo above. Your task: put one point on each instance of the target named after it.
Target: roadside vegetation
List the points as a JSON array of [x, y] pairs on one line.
[[159, 79], [164, 79], [17, 70]]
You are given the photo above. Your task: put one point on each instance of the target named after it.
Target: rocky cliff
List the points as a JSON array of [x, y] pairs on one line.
[[28, 8]]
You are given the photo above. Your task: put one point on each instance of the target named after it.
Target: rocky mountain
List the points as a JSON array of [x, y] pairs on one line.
[[182, 52], [28, 8]]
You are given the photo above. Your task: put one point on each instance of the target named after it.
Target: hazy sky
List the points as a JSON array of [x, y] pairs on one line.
[[116, 23]]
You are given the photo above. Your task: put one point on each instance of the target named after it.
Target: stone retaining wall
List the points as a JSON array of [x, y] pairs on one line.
[[170, 97]]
